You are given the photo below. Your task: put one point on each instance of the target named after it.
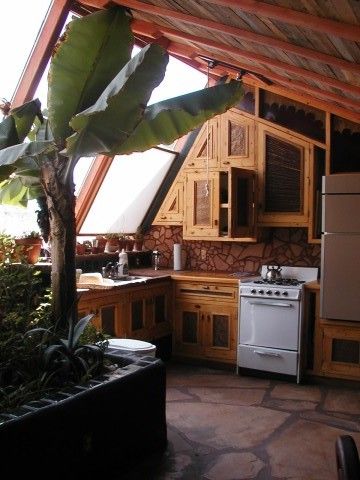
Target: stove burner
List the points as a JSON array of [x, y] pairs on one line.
[[293, 282]]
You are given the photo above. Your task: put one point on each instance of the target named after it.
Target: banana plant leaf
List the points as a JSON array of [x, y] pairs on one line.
[[24, 117], [78, 76], [168, 120], [120, 108], [8, 133], [10, 155]]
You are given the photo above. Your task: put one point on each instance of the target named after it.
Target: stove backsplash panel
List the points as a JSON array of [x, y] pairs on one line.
[[283, 246]]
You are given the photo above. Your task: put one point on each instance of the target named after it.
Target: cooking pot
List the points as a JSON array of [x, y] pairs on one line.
[[273, 273]]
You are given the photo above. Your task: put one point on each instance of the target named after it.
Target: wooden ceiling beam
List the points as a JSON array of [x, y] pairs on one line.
[[240, 33], [293, 17], [41, 52], [296, 90], [207, 42]]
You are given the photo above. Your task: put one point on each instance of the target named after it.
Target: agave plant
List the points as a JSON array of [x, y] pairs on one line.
[[97, 103]]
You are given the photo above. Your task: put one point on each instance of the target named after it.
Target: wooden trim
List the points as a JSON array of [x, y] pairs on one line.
[[92, 184], [328, 142], [260, 58], [240, 33], [292, 17], [41, 52]]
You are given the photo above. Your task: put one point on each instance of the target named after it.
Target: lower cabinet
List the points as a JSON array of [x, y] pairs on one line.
[[340, 350], [138, 312], [205, 326]]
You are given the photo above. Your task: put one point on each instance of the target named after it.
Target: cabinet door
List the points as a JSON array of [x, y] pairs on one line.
[[220, 332], [202, 205], [242, 201], [139, 321], [283, 178], [161, 312], [172, 210], [107, 316], [237, 140], [203, 153], [341, 351], [188, 329]]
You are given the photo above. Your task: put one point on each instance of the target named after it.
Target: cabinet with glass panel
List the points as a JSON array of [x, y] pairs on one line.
[[205, 321]]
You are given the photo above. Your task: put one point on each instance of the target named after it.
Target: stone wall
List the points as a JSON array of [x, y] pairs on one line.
[[285, 246]]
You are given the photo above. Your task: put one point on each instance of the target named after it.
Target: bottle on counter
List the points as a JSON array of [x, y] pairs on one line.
[[123, 265]]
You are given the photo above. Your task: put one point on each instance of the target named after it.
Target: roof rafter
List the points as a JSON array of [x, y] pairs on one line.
[[40, 54], [332, 82], [241, 33], [287, 15]]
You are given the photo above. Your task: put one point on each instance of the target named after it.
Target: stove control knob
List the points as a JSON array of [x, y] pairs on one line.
[[261, 292], [269, 292], [277, 292], [253, 291], [285, 294]]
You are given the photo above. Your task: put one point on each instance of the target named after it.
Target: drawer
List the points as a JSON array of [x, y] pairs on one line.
[[268, 359], [209, 290]]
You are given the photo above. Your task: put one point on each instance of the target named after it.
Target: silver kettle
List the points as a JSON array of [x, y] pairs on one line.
[[273, 273]]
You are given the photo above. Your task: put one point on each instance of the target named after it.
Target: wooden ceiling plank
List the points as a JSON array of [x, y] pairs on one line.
[[41, 52], [293, 17], [332, 82], [241, 33]]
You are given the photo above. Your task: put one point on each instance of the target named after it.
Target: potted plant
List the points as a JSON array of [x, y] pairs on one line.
[[112, 242], [138, 240], [28, 247]]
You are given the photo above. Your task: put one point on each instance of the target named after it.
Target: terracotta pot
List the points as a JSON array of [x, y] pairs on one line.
[[138, 244], [80, 249], [28, 249], [112, 245]]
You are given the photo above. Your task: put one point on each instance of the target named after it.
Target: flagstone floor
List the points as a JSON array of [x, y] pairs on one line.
[[222, 426]]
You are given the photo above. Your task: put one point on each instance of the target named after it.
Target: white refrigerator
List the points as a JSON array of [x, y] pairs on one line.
[[340, 252]]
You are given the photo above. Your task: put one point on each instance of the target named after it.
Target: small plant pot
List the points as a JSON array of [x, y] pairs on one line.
[[138, 244], [129, 245], [80, 249], [28, 249], [112, 245]]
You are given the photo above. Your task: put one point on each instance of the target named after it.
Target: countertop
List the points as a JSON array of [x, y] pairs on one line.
[[225, 277]]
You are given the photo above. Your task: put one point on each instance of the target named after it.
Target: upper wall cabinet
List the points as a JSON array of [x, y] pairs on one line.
[[171, 211], [283, 169], [237, 134], [204, 152], [220, 205]]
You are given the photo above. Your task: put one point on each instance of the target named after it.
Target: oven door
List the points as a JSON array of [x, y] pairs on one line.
[[266, 322]]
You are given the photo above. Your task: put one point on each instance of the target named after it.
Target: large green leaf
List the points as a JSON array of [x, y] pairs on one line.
[[166, 121], [24, 117], [8, 133], [10, 155], [91, 52], [6, 171], [119, 109]]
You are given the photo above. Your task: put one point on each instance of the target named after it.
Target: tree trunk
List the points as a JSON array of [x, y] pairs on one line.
[[61, 204]]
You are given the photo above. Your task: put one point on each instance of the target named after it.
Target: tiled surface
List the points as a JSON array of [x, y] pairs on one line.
[[284, 246], [222, 426]]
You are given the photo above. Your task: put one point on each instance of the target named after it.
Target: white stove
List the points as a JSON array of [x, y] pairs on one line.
[[271, 321]]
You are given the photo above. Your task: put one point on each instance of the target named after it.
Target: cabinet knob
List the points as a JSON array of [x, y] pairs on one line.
[[206, 287], [197, 306], [226, 163], [162, 216], [191, 164]]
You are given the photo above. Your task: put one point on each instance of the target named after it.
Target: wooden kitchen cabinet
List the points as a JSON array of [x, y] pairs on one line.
[[340, 349], [205, 321], [149, 312], [171, 211], [140, 312], [283, 171], [237, 140], [205, 152], [220, 205]]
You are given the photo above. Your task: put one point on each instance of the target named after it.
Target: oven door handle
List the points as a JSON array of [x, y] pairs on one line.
[[272, 304], [267, 354]]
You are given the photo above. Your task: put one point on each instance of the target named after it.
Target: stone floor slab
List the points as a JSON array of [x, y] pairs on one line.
[[230, 380], [288, 391], [343, 400], [232, 466], [224, 426], [174, 394], [229, 396], [289, 405]]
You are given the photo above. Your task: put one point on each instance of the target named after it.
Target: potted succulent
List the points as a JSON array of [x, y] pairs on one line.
[[28, 247]]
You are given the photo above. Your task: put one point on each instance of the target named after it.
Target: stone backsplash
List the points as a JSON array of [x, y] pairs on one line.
[[283, 246]]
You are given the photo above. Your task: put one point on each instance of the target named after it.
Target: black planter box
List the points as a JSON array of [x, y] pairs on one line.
[[104, 427]]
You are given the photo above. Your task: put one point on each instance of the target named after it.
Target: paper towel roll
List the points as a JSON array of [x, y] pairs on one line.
[[177, 256]]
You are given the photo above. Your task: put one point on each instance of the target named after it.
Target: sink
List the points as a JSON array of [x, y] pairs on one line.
[[130, 279]]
